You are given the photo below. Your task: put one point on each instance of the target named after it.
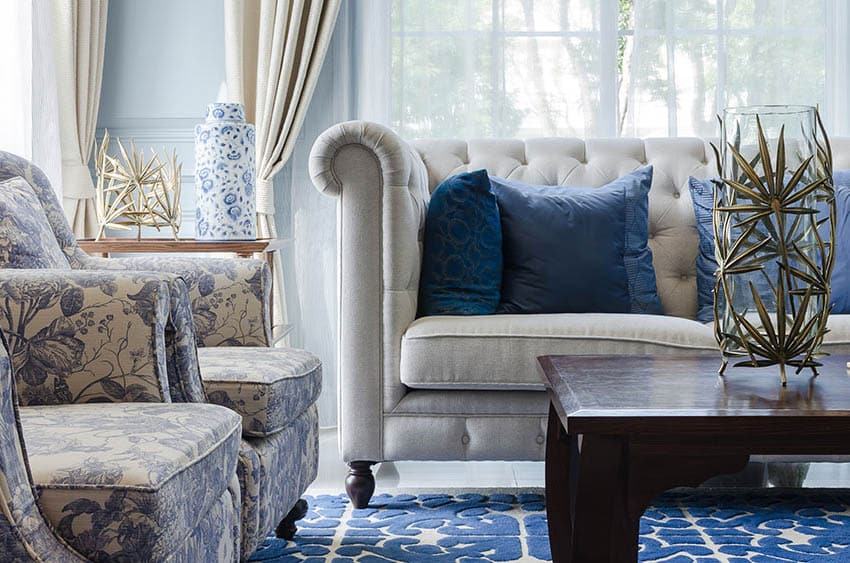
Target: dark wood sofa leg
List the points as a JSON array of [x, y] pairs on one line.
[[360, 483], [286, 529]]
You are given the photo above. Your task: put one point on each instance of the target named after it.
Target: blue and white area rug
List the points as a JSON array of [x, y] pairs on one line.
[[698, 526]]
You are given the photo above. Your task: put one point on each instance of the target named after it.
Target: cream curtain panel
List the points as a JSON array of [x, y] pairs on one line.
[[79, 28], [274, 51]]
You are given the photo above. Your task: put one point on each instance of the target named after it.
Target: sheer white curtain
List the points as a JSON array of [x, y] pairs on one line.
[[29, 114], [608, 67]]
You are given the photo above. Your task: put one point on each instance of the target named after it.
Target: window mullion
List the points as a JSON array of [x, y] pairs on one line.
[[837, 79], [672, 110], [720, 92], [608, 100]]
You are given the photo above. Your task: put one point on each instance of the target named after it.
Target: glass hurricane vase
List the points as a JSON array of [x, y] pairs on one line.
[[774, 219]]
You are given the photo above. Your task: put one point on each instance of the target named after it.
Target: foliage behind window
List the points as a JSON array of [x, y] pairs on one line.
[[467, 68]]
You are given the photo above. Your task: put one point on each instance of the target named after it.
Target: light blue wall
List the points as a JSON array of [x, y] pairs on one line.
[[164, 62]]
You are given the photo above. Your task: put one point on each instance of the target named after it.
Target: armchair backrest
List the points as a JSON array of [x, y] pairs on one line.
[[24, 533], [12, 165]]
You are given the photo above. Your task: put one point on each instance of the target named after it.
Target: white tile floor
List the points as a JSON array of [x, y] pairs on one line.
[[489, 476]]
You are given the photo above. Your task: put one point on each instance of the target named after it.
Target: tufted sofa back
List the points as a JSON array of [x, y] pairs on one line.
[[595, 162]]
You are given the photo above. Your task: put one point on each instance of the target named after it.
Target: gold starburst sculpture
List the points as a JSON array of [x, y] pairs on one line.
[[135, 192], [775, 254]]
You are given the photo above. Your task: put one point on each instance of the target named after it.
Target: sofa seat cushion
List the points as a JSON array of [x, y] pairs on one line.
[[130, 481], [268, 387], [499, 352]]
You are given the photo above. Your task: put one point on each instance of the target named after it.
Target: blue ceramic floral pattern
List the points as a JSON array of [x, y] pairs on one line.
[[694, 526], [224, 175]]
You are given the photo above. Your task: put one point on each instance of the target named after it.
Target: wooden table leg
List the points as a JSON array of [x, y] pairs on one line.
[[599, 492], [561, 456], [603, 530]]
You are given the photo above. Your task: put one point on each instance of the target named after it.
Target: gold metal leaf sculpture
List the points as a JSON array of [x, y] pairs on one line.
[[134, 192], [775, 260]]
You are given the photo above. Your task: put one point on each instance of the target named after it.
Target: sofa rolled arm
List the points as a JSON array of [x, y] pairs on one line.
[[382, 187], [79, 337], [230, 297]]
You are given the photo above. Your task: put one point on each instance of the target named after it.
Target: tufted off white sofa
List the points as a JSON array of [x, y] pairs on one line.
[[467, 388]]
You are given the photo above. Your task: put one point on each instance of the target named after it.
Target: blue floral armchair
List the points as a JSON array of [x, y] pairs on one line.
[[202, 335], [113, 480]]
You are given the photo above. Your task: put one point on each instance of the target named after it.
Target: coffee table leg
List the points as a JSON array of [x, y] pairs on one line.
[[616, 480], [561, 473], [604, 530]]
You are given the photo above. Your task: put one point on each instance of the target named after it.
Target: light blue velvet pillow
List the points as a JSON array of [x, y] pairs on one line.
[[462, 249], [26, 237], [702, 194], [577, 250]]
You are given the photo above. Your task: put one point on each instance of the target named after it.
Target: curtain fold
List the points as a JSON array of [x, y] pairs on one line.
[[274, 51], [79, 28]]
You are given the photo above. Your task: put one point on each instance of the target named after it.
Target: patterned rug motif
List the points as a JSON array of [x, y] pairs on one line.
[[693, 526]]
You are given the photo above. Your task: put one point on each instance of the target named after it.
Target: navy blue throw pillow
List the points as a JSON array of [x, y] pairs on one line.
[[702, 193], [462, 254], [577, 250]]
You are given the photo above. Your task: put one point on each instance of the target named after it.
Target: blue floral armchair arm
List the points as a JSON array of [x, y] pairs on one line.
[[80, 337], [24, 534], [230, 298]]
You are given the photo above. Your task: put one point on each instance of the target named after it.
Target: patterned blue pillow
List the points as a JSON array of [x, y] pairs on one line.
[[577, 250], [702, 193], [840, 282], [26, 238], [462, 254]]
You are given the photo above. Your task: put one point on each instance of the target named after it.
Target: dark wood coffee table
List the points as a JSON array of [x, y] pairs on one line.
[[622, 429]]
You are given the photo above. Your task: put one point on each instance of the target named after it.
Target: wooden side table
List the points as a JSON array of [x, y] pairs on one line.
[[243, 249]]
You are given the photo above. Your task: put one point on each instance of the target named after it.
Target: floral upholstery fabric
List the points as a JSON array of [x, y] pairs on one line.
[[12, 165], [24, 535], [79, 337], [269, 387], [248, 473], [130, 480], [294, 453], [229, 297], [215, 538], [184, 377], [26, 239], [131, 336]]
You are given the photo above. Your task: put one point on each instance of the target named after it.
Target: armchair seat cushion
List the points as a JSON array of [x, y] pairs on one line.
[[499, 352], [269, 387], [130, 481]]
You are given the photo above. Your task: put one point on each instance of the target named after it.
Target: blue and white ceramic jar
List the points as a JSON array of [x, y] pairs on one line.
[[224, 175]]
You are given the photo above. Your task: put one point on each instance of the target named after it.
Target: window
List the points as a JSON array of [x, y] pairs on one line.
[[465, 68]]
